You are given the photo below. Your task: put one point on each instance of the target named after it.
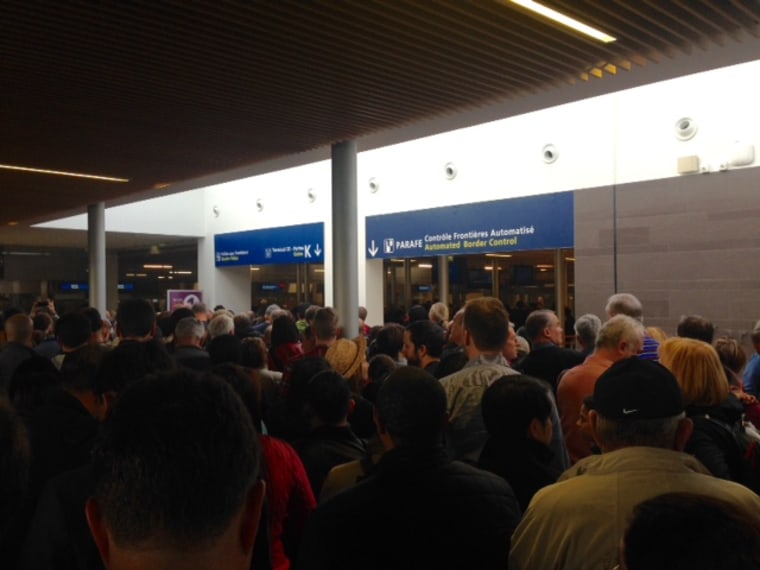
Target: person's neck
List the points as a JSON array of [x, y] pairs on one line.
[[70, 349], [474, 353], [318, 423]]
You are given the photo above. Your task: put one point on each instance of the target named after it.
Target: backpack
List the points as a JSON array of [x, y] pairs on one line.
[[747, 438]]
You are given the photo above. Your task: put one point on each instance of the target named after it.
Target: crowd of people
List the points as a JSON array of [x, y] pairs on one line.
[[198, 438]]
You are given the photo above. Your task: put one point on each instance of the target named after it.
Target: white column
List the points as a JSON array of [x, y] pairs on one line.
[[345, 269], [96, 238]]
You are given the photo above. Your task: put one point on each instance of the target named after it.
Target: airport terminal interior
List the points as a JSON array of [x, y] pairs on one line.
[[400, 284], [424, 78]]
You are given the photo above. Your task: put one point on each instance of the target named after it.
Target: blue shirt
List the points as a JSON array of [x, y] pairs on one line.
[[751, 373], [649, 349]]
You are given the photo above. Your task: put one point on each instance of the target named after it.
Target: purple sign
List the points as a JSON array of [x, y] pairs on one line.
[[179, 297]]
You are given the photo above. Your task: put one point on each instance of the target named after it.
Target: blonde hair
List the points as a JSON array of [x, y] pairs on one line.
[[657, 334], [699, 372]]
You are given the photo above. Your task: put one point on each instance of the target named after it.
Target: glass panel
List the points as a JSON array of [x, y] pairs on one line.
[[280, 284]]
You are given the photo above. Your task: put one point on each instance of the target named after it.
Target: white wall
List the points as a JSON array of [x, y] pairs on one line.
[[231, 207], [176, 215], [609, 139]]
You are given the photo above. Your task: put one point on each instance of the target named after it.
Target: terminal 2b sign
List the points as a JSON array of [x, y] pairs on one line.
[[289, 244], [516, 224]]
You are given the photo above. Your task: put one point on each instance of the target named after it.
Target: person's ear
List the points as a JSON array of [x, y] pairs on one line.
[[593, 418], [536, 429], [108, 400], [98, 529], [467, 337], [251, 517], [422, 351], [683, 433]]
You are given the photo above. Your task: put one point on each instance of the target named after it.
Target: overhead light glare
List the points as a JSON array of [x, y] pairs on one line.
[[565, 20], [425, 266], [62, 173], [27, 253], [255, 268], [155, 266], [498, 255]]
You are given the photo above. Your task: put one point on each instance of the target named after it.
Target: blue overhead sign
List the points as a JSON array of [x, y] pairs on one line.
[[516, 224], [289, 244]]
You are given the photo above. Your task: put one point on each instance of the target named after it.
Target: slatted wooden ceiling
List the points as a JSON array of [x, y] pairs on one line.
[[160, 92]]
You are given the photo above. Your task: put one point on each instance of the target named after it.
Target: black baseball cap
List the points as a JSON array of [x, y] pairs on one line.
[[634, 389]]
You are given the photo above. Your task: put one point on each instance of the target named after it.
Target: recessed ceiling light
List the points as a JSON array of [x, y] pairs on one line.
[[565, 20], [62, 173]]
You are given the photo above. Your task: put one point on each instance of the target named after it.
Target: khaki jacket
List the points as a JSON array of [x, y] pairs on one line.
[[577, 523]]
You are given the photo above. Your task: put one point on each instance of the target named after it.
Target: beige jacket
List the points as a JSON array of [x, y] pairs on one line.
[[578, 522]]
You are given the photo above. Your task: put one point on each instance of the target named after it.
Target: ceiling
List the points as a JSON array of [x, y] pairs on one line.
[[160, 93]]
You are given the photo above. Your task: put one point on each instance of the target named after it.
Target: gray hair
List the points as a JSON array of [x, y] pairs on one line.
[[625, 304], [189, 327], [660, 432], [274, 315], [220, 325], [618, 329], [587, 328]]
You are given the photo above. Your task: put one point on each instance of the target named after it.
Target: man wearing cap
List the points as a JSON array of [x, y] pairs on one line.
[[639, 424]]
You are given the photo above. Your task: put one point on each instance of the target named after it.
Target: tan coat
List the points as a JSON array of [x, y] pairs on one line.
[[577, 523]]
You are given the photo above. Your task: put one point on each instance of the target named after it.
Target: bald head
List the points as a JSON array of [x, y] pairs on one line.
[[19, 328]]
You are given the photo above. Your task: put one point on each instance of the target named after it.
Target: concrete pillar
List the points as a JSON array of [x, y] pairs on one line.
[[559, 285], [345, 271], [443, 278], [96, 239]]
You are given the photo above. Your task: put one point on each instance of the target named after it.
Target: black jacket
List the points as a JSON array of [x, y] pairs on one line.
[[548, 361], [527, 465], [324, 448], [418, 509], [711, 442]]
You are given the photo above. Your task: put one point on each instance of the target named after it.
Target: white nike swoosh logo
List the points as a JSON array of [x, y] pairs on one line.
[[626, 411]]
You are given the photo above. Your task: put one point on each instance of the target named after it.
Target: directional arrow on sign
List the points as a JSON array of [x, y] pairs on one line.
[[372, 250], [317, 250], [307, 250]]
